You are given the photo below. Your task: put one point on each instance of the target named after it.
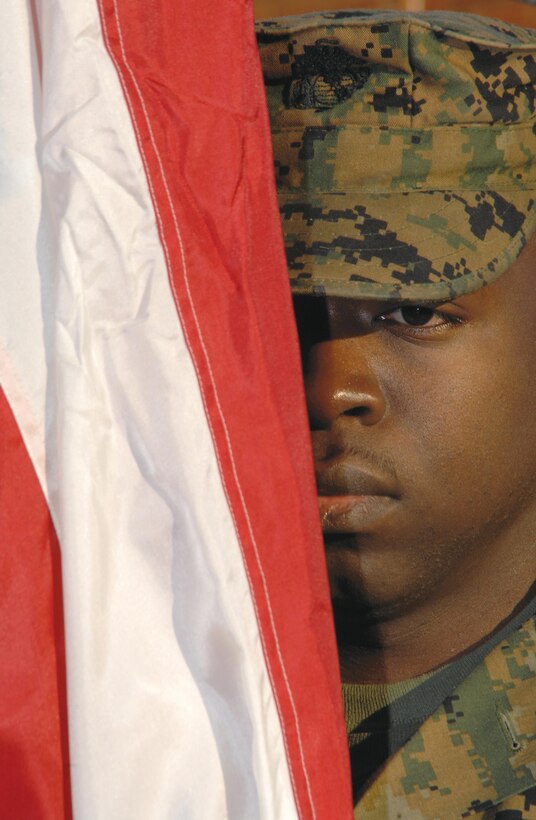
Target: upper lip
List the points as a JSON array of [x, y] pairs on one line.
[[346, 476]]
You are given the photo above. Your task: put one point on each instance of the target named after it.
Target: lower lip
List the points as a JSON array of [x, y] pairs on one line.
[[352, 513]]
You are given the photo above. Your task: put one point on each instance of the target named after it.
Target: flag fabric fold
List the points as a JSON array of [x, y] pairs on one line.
[[149, 358]]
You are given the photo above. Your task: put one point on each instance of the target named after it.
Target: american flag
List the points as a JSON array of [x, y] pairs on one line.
[[165, 629]]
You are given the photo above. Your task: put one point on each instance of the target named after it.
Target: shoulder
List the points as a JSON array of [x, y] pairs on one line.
[[477, 753]]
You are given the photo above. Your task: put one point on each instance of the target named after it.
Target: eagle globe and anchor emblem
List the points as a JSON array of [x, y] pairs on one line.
[[323, 76]]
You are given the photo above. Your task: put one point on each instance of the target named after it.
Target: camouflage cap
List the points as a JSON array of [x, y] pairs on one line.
[[405, 149]]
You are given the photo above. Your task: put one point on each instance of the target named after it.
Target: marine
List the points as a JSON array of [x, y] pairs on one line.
[[405, 161]]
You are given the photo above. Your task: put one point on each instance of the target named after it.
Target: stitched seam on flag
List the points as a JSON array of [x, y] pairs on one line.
[[211, 375]]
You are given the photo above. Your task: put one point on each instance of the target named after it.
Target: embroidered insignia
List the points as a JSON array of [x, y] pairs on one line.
[[323, 76]]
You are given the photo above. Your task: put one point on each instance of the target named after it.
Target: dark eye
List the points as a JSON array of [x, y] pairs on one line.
[[417, 314], [414, 316]]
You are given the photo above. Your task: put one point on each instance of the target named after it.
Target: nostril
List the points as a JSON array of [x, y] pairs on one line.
[[357, 411], [339, 383]]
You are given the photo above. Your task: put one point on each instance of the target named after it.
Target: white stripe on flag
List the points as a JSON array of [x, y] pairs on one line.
[[171, 711]]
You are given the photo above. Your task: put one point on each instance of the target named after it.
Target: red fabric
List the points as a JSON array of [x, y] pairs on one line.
[[192, 81], [34, 770]]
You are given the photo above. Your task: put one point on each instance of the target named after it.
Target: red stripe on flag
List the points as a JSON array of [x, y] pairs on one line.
[[193, 85], [34, 763]]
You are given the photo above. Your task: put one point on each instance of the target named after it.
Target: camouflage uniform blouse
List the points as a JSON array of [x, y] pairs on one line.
[[476, 755]]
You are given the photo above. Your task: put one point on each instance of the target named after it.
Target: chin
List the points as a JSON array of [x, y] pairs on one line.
[[369, 586]]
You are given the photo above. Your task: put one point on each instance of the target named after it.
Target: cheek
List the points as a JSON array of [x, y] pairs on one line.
[[471, 439]]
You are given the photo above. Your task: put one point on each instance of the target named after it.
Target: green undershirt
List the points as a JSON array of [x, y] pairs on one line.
[[361, 700], [370, 725]]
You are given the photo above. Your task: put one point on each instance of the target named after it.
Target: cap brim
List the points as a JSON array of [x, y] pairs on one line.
[[421, 245]]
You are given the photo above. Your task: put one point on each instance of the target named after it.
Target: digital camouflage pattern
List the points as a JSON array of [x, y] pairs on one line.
[[476, 755], [404, 149]]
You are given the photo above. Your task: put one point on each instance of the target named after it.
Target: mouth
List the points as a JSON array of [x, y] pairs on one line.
[[351, 499], [352, 513]]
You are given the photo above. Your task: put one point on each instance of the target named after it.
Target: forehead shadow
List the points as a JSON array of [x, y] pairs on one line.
[[328, 318], [325, 318], [312, 319]]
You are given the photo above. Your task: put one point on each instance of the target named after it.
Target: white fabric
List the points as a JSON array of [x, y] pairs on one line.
[[171, 713]]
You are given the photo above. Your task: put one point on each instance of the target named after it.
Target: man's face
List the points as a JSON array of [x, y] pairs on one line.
[[424, 436]]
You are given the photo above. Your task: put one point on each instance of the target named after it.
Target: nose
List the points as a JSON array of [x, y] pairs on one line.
[[341, 382]]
